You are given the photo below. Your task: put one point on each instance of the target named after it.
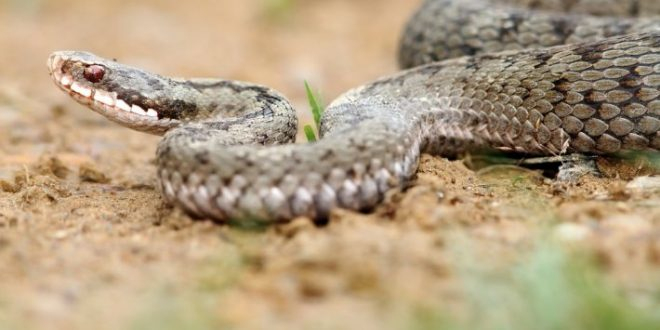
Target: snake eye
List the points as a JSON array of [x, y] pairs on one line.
[[94, 73]]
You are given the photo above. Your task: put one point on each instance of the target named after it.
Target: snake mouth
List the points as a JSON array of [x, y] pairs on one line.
[[78, 74]]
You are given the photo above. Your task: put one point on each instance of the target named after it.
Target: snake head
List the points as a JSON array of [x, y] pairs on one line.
[[123, 94]]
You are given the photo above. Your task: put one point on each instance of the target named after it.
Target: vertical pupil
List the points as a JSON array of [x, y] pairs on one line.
[[94, 73]]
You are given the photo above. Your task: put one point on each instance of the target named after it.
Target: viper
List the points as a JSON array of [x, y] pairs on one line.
[[531, 77]]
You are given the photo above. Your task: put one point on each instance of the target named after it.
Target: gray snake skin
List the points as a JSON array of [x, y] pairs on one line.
[[485, 74]]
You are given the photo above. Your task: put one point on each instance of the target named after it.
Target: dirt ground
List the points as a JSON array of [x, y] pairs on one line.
[[86, 241]]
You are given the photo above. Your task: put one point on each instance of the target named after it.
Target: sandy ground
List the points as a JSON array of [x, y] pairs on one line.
[[85, 239]]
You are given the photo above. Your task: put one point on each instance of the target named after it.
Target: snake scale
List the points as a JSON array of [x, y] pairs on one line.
[[527, 76]]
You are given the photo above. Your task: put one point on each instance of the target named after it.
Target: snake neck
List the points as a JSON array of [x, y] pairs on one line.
[[154, 104]]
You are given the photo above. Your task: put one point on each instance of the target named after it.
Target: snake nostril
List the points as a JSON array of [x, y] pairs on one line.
[[94, 73]]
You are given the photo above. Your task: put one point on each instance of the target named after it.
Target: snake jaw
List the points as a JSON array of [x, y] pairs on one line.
[[70, 72]]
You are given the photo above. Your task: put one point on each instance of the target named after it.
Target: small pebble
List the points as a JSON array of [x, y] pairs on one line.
[[572, 232], [644, 183]]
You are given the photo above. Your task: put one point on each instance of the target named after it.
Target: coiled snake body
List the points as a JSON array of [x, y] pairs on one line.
[[226, 149]]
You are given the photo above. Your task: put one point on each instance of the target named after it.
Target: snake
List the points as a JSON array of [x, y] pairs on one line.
[[531, 77]]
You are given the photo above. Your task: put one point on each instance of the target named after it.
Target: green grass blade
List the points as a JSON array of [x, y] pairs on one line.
[[309, 133], [315, 106]]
